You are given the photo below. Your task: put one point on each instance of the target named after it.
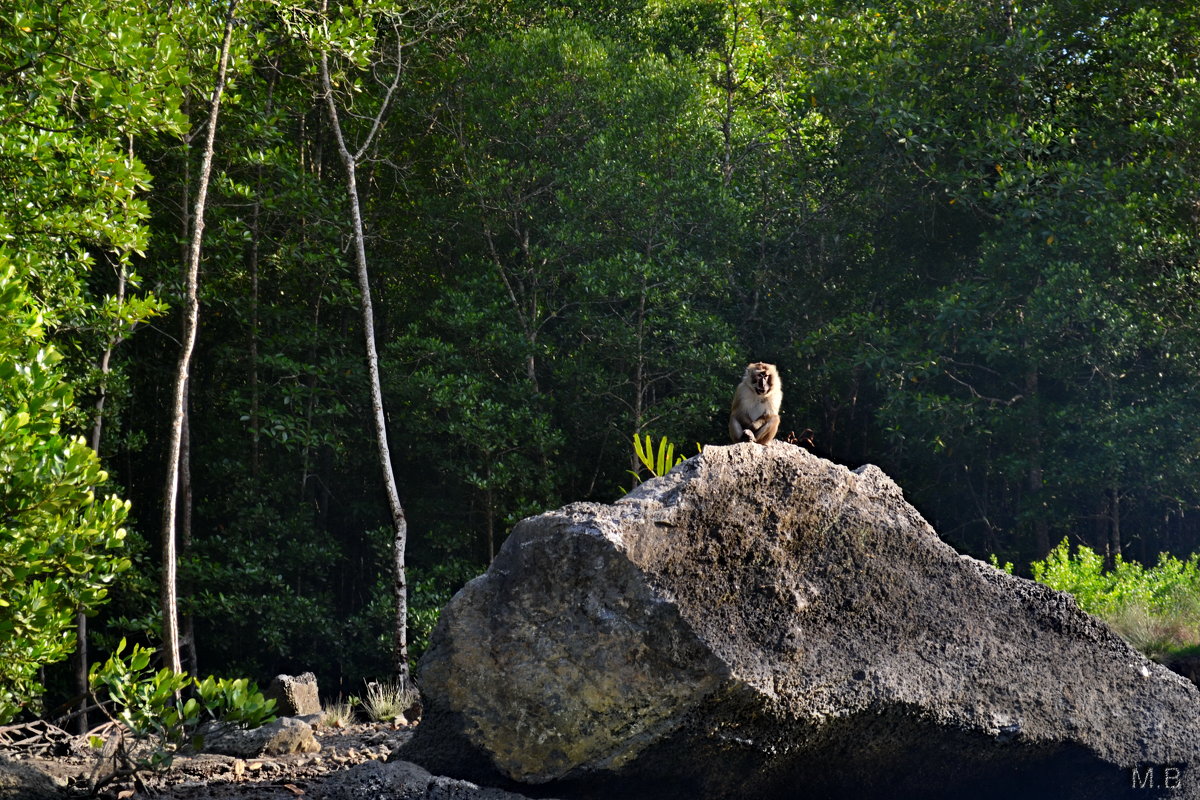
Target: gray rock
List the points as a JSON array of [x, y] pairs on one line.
[[294, 696], [761, 623], [401, 780], [281, 737], [23, 782]]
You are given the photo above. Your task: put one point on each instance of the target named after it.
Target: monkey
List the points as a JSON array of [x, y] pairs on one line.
[[754, 415]]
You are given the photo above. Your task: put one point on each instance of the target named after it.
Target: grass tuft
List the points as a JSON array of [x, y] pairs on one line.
[[339, 714], [387, 701]]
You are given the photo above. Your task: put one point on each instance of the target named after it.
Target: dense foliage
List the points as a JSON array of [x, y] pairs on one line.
[[60, 543], [1156, 608], [967, 234]]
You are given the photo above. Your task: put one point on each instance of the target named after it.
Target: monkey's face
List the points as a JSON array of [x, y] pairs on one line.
[[762, 377]]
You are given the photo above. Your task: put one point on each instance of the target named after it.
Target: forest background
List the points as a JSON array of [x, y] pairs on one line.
[[967, 233]]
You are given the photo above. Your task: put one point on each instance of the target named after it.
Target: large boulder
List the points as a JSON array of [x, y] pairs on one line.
[[761, 623]]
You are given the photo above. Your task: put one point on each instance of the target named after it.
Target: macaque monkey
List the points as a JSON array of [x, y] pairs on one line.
[[754, 416]]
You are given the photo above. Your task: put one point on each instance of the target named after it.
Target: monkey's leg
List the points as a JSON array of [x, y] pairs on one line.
[[766, 431]]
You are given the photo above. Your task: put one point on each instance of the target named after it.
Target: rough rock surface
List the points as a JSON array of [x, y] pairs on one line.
[[761, 623], [401, 780], [284, 736], [295, 696], [22, 782]]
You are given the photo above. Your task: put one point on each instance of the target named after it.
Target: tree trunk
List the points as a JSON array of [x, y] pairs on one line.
[[252, 264], [81, 626], [170, 614], [639, 381], [1041, 527], [728, 83], [1114, 525], [490, 511], [399, 522], [187, 642]]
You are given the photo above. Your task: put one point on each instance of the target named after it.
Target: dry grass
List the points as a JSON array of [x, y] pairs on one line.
[[339, 714], [387, 701], [1160, 634]]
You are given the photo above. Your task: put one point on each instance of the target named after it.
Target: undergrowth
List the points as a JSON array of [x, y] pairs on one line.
[[1156, 609]]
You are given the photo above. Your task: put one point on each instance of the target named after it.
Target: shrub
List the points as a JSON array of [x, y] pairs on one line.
[[431, 589], [1156, 609], [60, 541], [158, 721]]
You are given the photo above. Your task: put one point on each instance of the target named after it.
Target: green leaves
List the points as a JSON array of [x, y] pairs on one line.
[[1153, 607], [151, 703], [658, 462], [60, 544], [232, 700], [1016, 180]]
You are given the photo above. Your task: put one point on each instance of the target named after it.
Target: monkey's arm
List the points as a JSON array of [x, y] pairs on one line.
[[752, 430], [766, 428]]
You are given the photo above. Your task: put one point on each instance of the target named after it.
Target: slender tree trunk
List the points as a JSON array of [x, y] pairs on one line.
[[399, 521], [1041, 528], [81, 626], [81, 671], [729, 87], [187, 642], [639, 380], [306, 467], [191, 322], [350, 162], [489, 499], [252, 264], [1114, 524]]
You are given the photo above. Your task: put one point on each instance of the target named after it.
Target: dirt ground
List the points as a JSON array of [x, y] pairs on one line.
[[218, 777]]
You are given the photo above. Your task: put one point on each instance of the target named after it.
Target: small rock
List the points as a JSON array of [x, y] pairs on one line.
[[295, 696], [281, 737]]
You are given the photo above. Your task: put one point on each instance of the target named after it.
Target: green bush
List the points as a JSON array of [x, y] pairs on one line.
[[234, 700], [1156, 609], [151, 706], [61, 543]]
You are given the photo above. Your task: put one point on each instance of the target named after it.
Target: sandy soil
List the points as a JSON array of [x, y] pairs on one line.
[[217, 777]]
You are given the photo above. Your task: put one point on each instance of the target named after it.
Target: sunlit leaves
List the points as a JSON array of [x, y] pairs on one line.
[[60, 541]]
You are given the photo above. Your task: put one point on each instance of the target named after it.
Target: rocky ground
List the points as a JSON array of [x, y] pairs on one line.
[[218, 777]]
